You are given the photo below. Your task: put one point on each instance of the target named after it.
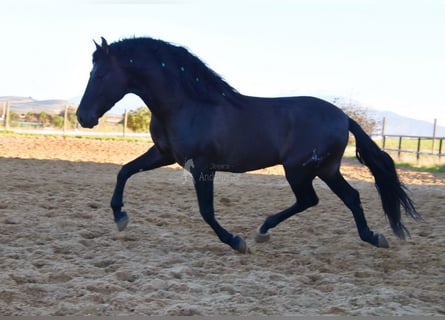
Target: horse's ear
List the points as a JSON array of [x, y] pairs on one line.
[[105, 45], [97, 46]]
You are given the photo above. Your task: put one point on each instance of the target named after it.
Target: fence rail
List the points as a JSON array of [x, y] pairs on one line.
[[418, 145], [109, 125], [432, 146]]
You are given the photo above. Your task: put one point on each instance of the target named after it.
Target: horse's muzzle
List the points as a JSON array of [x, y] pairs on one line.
[[87, 120]]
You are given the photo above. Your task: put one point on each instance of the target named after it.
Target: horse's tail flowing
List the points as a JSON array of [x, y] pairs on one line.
[[392, 191]]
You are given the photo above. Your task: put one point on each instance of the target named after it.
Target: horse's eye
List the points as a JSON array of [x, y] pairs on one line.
[[97, 75]]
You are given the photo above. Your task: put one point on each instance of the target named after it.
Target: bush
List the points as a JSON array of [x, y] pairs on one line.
[[57, 121], [139, 120], [358, 113], [71, 118]]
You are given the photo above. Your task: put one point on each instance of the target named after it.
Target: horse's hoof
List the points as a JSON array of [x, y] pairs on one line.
[[261, 237], [240, 245], [121, 220], [382, 242]]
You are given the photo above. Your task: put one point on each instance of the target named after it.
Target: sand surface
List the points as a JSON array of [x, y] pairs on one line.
[[62, 255]]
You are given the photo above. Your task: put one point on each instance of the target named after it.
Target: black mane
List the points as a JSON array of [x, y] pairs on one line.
[[198, 81]]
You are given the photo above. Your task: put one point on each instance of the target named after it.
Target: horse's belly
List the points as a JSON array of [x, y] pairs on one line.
[[249, 157]]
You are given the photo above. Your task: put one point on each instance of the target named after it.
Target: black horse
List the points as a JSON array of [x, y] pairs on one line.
[[199, 119]]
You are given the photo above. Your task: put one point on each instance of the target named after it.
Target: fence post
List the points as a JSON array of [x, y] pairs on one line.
[[434, 135], [440, 148], [7, 116], [383, 132], [65, 119], [125, 122], [418, 148], [400, 147]]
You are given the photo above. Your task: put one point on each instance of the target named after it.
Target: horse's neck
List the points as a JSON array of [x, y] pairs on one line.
[[166, 100], [160, 102]]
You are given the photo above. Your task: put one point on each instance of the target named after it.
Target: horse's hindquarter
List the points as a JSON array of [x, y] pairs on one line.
[[317, 127]]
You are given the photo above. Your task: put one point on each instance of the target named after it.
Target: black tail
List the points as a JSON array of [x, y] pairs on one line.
[[391, 190]]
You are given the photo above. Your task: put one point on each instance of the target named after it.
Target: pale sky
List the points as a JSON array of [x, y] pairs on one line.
[[387, 54]]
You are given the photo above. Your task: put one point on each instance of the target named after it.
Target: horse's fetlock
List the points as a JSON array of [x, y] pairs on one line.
[[367, 235], [116, 205]]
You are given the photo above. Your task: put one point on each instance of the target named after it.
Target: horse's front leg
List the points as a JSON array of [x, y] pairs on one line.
[[152, 159], [204, 190]]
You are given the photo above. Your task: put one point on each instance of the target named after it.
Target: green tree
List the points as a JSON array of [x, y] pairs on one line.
[[139, 120], [44, 118], [14, 116], [72, 118], [30, 117], [57, 121]]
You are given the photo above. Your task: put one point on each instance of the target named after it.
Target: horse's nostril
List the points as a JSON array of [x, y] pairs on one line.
[[80, 119]]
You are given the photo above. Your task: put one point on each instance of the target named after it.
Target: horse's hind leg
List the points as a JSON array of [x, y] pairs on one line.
[[351, 198], [152, 159], [301, 184]]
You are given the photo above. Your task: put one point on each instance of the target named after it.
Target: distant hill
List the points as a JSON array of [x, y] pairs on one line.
[[28, 104], [400, 125], [129, 102], [396, 124], [24, 105]]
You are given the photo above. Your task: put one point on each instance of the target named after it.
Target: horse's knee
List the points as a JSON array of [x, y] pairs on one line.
[[123, 174]]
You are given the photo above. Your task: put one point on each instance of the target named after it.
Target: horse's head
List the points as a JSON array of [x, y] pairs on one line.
[[107, 85]]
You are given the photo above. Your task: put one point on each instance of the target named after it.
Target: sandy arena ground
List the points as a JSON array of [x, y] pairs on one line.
[[62, 255]]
